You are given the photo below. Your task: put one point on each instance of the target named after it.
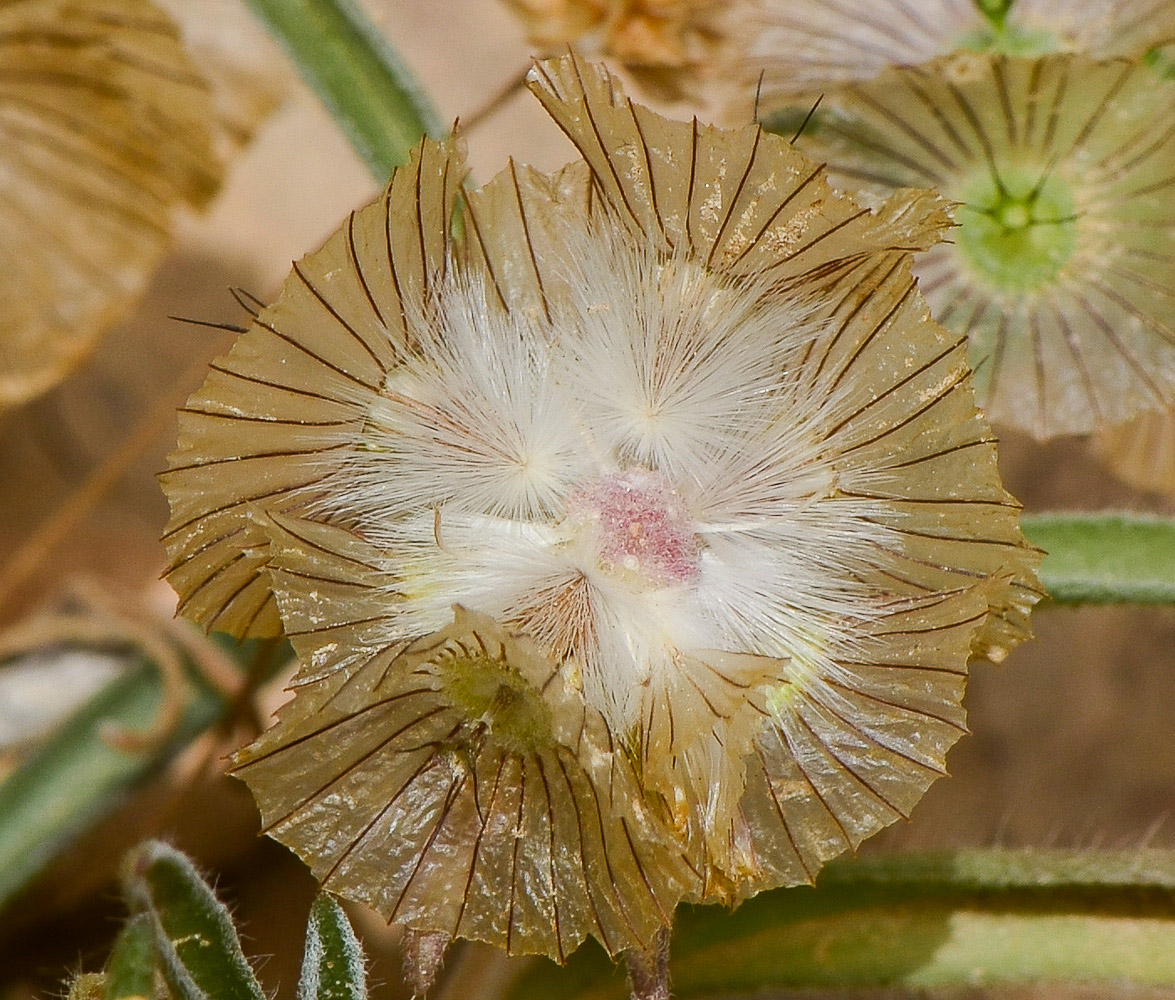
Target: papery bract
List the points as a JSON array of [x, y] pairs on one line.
[[107, 127]]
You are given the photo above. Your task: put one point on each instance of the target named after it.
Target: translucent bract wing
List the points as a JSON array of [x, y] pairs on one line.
[[1141, 451], [457, 783], [105, 127]]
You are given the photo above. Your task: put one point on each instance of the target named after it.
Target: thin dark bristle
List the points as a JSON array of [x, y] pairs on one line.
[[260, 303], [230, 327], [247, 301], [1044, 176], [807, 119]]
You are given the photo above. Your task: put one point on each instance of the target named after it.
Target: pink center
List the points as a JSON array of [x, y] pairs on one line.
[[639, 525]]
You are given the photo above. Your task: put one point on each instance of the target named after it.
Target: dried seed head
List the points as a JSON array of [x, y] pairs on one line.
[[675, 432], [1062, 266], [802, 50], [669, 46], [105, 127]]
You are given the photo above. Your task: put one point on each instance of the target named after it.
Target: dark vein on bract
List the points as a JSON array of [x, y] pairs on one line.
[[451, 797], [588, 884], [337, 316], [560, 956], [534, 262], [353, 254], [734, 197], [809, 874], [475, 854], [326, 727], [475, 226], [846, 768], [646, 153]]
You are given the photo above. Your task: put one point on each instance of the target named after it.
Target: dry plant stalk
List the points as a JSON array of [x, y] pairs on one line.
[[634, 525]]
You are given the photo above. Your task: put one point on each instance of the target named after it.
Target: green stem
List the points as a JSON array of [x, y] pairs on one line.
[[356, 74], [946, 922], [1105, 558], [78, 774]]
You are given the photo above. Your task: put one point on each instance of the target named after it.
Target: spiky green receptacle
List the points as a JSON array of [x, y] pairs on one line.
[[1017, 230], [513, 708], [995, 11], [1002, 38], [1011, 40]]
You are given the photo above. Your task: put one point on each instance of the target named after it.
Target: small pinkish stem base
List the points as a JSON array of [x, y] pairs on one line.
[[648, 971]]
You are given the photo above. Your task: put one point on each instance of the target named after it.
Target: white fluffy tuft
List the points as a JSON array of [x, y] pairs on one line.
[[478, 460]]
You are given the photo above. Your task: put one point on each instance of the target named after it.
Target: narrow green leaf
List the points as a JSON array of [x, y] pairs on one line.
[[77, 775], [1105, 558], [196, 944], [333, 967], [917, 921], [356, 74], [130, 972]]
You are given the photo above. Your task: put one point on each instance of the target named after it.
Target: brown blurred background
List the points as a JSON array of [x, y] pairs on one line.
[[1073, 738]]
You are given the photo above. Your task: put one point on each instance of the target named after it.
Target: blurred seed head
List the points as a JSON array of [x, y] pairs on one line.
[[107, 126], [793, 52], [669, 47], [1061, 270]]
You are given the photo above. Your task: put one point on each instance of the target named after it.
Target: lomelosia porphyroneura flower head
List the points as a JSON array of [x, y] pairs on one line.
[[634, 526]]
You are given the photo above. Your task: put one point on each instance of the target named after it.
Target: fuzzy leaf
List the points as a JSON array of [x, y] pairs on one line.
[[1106, 558], [333, 966], [199, 953], [923, 921], [130, 973]]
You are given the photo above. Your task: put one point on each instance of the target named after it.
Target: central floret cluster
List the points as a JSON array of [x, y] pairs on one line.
[[639, 526], [622, 499]]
